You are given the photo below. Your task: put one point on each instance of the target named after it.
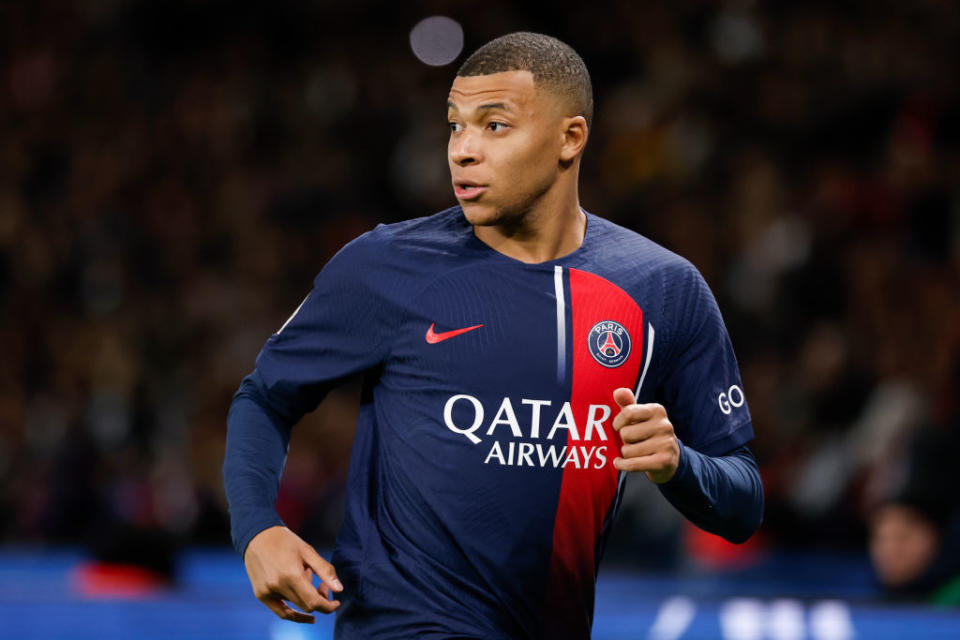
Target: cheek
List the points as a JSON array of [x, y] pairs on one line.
[[535, 159]]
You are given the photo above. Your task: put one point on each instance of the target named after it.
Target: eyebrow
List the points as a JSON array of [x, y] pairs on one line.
[[486, 107]]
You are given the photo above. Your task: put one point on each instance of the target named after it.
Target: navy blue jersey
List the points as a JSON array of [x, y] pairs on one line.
[[481, 485]]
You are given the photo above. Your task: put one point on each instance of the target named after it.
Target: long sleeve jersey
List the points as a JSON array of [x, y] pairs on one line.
[[481, 486]]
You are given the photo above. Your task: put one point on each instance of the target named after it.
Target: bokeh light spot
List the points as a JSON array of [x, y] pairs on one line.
[[437, 40]]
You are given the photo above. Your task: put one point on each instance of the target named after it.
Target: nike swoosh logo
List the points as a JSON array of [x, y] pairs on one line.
[[434, 338]]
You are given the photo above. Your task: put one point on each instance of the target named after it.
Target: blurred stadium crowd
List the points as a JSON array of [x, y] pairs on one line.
[[173, 175]]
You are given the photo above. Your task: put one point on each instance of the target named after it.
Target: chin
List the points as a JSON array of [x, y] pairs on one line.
[[482, 215]]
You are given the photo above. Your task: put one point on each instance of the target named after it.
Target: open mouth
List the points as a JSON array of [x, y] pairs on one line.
[[465, 190]]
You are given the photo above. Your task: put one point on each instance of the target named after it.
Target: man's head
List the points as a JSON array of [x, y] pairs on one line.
[[555, 66], [904, 541], [519, 111]]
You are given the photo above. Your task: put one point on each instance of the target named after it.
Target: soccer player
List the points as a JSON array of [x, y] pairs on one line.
[[521, 357]]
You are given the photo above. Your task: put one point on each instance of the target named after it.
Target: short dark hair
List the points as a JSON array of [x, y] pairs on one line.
[[554, 65]]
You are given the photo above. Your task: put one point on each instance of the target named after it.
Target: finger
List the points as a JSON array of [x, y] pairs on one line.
[[634, 413], [643, 463], [301, 592], [326, 604], [641, 449], [308, 577], [656, 426], [653, 462], [280, 608], [296, 589], [637, 432], [309, 599], [324, 570], [637, 413], [623, 396]]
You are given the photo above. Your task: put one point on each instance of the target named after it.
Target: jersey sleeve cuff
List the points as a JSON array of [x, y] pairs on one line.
[[681, 476], [247, 522]]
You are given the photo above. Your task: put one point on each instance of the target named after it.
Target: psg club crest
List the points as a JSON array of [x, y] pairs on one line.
[[609, 343]]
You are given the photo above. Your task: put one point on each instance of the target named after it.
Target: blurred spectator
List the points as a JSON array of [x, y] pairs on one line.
[[915, 533]]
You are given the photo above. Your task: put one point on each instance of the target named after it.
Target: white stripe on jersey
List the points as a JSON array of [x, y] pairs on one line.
[[561, 324], [636, 394], [292, 316]]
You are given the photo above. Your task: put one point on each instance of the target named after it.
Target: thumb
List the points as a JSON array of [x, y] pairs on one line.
[[623, 397]]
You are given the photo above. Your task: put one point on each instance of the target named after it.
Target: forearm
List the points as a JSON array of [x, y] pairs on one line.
[[722, 494], [257, 441]]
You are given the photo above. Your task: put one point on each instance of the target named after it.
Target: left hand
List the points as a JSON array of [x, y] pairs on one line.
[[649, 443]]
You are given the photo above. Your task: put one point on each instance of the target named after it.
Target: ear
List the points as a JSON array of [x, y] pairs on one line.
[[574, 132]]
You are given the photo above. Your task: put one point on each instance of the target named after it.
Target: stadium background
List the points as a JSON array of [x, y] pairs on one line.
[[173, 175]]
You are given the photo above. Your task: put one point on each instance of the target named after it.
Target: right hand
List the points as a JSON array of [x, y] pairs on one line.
[[281, 567]]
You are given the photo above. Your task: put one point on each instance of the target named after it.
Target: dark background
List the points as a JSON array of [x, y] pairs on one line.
[[173, 175]]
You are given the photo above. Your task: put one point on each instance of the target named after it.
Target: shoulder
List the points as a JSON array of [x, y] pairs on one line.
[[440, 228], [668, 287], [625, 250], [385, 243], [395, 261], [442, 232]]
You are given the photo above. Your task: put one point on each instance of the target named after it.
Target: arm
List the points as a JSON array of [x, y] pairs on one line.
[[341, 328], [278, 562], [720, 494], [710, 477], [257, 441]]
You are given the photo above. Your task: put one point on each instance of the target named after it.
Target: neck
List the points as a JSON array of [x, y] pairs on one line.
[[551, 229]]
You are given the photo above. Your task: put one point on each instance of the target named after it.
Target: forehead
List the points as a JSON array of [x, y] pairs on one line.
[[516, 87]]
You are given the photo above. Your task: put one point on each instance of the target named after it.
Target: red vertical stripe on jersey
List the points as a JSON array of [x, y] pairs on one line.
[[587, 492]]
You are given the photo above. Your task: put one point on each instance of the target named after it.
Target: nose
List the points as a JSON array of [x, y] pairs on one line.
[[464, 148]]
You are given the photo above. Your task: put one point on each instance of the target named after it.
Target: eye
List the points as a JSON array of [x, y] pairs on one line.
[[496, 126], [455, 126]]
